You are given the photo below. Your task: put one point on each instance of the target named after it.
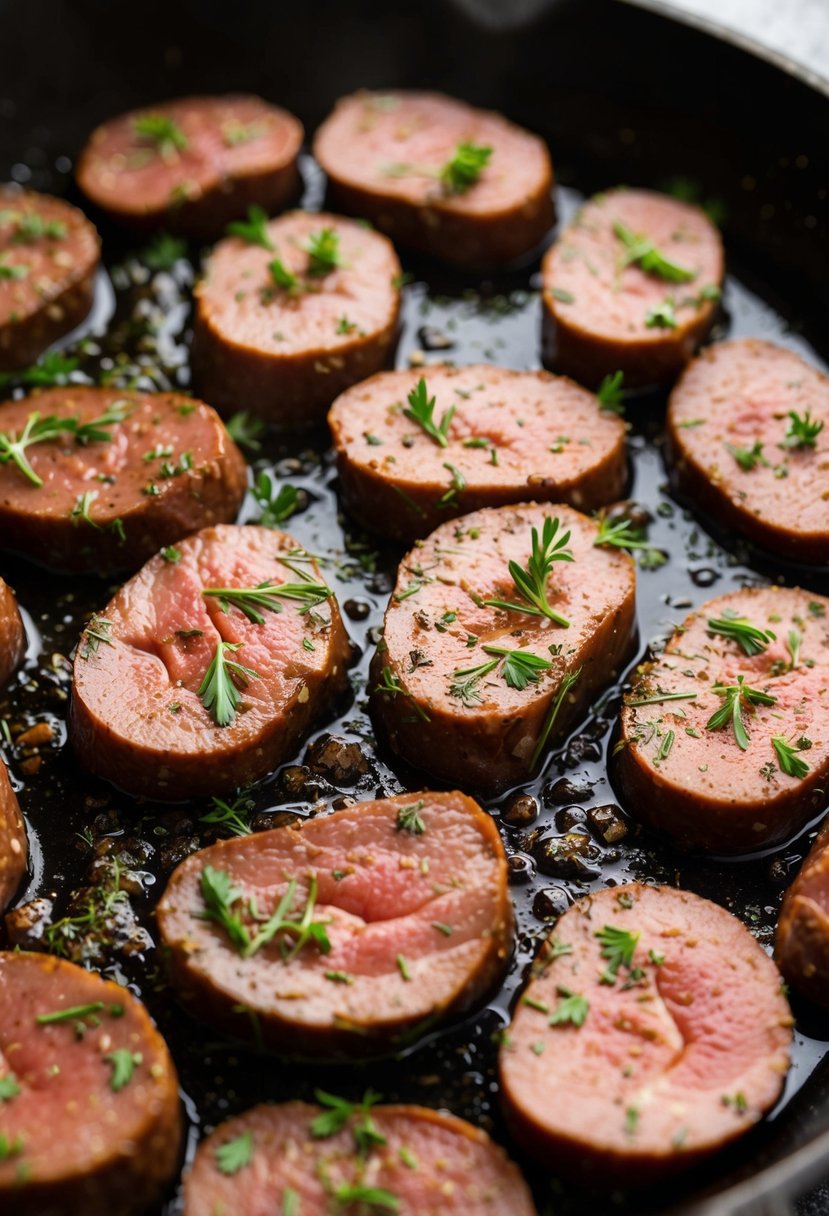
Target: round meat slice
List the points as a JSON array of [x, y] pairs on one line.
[[99, 479], [49, 256], [725, 735], [208, 666], [192, 164], [281, 331], [631, 285], [409, 918], [310, 1161], [801, 945], [439, 176], [14, 852], [413, 451], [663, 1022], [748, 432], [90, 1119], [473, 677], [12, 632]]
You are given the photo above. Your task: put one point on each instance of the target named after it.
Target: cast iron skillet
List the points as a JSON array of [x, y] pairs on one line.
[[621, 95]]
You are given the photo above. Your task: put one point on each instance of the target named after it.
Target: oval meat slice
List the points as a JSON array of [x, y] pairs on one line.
[[281, 331], [406, 443], [12, 633], [472, 691], [801, 945], [103, 478], [725, 736], [439, 176], [49, 256], [180, 691], [663, 1022], [748, 431], [14, 851], [310, 1161], [412, 923], [90, 1118], [631, 285], [192, 164]]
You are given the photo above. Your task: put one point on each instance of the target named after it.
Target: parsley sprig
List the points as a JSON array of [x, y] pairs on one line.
[[464, 167], [422, 411], [163, 131], [739, 629], [339, 1112], [617, 949], [253, 230], [802, 431], [323, 251], [531, 581], [572, 1007], [218, 692], [641, 251], [736, 697], [275, 505], [611, 395], [234, 1155]]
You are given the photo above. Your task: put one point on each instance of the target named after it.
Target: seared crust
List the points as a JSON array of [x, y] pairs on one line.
[[437, 624], [431, 1162], [286, 354], [598, 311], [136, 717], [700, 787], [512, 434], [168, 469], [14, 851], [240, 151], [53, 252], [376, 893], [12, 633], [801, 945], [365, 143], [733, 396], [85, 1146], [681, 1049]]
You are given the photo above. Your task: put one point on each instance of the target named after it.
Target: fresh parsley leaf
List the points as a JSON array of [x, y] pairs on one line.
[[572, 1008], [520, 667], [281, 277], [747, 458], [164, 251], [617, 949], [661, 316], [802, 431], [234, 1155], [9, 1087], [463, 169], [372, 1197], [276, 506], [610, 393], [218, 692], [409, 819], [253, 230], [323, 251], [163, 131]]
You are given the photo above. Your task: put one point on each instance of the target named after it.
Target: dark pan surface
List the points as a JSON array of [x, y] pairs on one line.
[[79, 827]]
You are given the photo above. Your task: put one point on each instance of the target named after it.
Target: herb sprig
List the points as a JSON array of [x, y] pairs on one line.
[[737, 697], [218, 692], [641, 251], [739, 629], [253, 230], [464, 167], [422, 411], [224, 904], [267, 595], [531, 581]]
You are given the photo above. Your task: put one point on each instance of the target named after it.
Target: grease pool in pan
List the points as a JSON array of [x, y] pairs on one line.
[[79, 825]]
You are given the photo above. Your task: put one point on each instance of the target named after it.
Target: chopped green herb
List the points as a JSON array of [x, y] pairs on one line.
[[747, 458], [610, 393], [566, 684], [253, 230], [421, 410], [739, 629], [249, 600], [531, 581], [631, 1120], [234, 1155], [403, 968], [617, 948], [323, 251], [621, 534], [736, 696], [371, 1197], [275, 506], [123, 1063], [171, 554], [564, 297], [246, 430], [235, 816], [661, 316], [164, 251], [520, 667], [9, 1087], [572, 1008], [218, 692], [663, 696], [281, 277], [788, 759], [409, 819], [641, 251], [802, 431], [163, 131], [465, 167]]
